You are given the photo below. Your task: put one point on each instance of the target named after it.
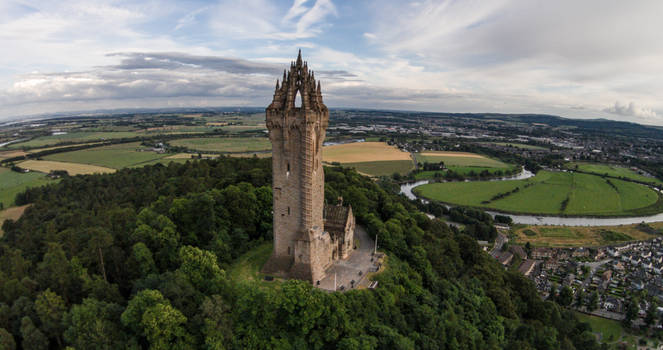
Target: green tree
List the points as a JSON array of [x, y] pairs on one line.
[[143, 256], [94, 324], [593, 302], [632, 309], [580, 298], [650, 318], [565, 296], [201, 268], [6, 340], [50, 309], [33, 338]]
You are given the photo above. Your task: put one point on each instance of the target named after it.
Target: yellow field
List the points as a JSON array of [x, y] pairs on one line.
[[13, 213], [11, 154], [46, 166], [452, 154], [363, 152], [578, 236]]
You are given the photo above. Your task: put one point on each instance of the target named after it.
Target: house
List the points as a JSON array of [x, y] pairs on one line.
[[519, 251], [542, 253], [527, 267]]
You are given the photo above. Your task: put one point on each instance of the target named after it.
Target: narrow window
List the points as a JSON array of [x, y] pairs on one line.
[[288, 250], [298, 100], [288, 167], [288, 210]]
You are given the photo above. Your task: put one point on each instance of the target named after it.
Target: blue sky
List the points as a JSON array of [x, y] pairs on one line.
[[586, 59]]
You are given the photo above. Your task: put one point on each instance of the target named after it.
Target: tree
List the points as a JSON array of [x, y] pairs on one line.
[[6, 340], [143, 256], [650, 318], [632, 309], [50, 309], [580, 296], [33, 338], [201, 269], [593, 302], [94, 324], [565, 296]]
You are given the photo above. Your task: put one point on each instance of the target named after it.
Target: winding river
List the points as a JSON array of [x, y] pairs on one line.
[[406, 189]]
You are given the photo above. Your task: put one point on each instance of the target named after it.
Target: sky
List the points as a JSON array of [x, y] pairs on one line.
[[579, 59]]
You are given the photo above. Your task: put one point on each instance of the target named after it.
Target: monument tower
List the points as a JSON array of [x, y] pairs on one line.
[[302, 247]]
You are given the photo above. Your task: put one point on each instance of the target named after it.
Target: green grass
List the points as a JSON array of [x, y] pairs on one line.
[[114, 156], [610, 330], [612, 236], [76, 137], [519, 145], [460, 161], [247, 267], [544, 194], [12, 183], [382, 168], [224, 144], [612, 170], [463, 170]]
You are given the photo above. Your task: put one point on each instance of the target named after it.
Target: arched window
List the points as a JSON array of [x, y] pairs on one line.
[[298, 100]]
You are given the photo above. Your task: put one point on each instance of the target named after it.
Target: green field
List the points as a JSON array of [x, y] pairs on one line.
[[610, 330], [613, 170], [11, 183], [465, 171], [460, 159], [74, 137], [224, 144], [383, 167], [519, 145], [545, 193], [114, 156]]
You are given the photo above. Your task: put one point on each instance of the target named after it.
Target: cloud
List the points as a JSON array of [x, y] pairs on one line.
[[631, 110]]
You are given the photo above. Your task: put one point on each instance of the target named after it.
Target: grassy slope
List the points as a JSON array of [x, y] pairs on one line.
[[11, 183], [13, 213], [225, 144], [247, 267], [588, 194], [114, 156], [610, 330]]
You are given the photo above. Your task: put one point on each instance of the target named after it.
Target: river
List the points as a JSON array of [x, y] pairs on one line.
[[406, 189]]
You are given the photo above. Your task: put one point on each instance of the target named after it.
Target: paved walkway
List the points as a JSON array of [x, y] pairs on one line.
[[354, 268]]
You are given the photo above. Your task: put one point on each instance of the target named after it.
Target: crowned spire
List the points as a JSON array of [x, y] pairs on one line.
[[299, 58]]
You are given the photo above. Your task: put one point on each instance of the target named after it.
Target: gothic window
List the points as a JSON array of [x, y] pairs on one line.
[[288, 250], [288, 210], [298, 99]]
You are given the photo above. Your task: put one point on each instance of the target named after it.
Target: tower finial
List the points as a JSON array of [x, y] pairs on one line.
[[277, 84], [299, 58], [319, 87]]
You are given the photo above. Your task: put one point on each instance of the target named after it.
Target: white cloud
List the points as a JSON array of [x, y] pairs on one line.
[[631, 110]]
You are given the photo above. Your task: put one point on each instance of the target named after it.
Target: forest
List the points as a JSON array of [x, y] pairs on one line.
[[137, 260]]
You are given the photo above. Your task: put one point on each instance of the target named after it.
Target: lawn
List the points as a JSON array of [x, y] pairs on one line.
[[247, 267], [383, 168], [46, 166], [359, 152], [581, 236], [546, 193], [11, 183], [461, 159], [224, 144], [74, 137], [610, 330], [113, 156], [612, 170]]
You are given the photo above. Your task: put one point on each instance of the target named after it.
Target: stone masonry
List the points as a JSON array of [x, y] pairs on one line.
[[303, 249]]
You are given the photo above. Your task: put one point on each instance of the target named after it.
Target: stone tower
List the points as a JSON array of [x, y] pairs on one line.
[[302, 248]]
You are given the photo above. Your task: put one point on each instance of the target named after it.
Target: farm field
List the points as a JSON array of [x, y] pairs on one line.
[[582, 236], [46, 166], [465, 171], [546, 193], [116, 156], [224, 144], [13, 213], [459, 159], [382, 168], [74, 137], [613, 170], [519, 145], [11, 154], [11, 183], [370, 158], [363, 152]]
